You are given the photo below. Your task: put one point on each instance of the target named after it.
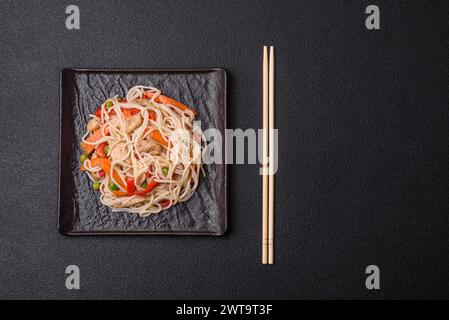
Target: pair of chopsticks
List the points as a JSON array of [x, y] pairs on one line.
[[268, 157]]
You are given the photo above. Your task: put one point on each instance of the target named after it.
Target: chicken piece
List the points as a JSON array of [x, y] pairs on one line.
[[133, 122], [118, 152], [93, 124], [149, 146]]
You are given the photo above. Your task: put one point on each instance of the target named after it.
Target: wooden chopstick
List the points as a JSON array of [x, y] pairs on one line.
[[271, 159], [268, 158], [265, 159]]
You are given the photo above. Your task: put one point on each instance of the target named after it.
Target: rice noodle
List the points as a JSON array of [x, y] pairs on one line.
[[182, 155]]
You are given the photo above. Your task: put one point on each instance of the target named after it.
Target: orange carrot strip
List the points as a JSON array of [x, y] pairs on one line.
[[167, 100], [105, 164], [119, 193], [88, 148], [157, 136]]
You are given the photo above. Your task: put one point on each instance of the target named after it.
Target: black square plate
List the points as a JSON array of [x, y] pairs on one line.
[[80, 210]]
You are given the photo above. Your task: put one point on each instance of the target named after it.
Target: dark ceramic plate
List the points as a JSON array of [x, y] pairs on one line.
[[80, 210]]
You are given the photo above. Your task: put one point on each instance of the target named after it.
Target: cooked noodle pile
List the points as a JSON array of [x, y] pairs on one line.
[[143, 153]]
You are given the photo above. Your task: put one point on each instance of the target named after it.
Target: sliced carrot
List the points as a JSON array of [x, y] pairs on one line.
[[157, 136], [88, 148], [119, 193], [167, 100], [83, 168], [105, 164]]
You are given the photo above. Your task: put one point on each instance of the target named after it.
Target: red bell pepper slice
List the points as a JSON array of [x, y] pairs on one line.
[[130, 187], [100, 149], [153, 184], [164, 203]]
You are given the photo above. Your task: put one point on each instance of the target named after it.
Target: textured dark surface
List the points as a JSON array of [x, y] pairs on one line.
[[364, 159], [80, 210]]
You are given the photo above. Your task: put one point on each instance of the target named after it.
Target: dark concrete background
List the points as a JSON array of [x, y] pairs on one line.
[[363, 148]]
